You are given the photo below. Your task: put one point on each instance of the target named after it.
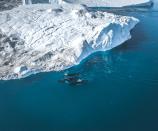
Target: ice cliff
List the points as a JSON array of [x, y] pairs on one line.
[[39, 38]]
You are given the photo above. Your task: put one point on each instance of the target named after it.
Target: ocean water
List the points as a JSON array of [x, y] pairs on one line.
[[119, 92]]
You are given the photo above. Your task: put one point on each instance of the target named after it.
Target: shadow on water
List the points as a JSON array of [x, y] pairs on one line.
[[73, 79]]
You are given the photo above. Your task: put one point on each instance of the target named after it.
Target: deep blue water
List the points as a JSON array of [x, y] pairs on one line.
[[120, 92]]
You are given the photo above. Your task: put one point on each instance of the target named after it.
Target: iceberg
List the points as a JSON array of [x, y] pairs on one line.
[[111, 3], [101, 3], [9, 4], [40, 38]]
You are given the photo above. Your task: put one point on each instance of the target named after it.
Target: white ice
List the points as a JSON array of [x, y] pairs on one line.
[[55, 38], [100, 3], [111, 3]]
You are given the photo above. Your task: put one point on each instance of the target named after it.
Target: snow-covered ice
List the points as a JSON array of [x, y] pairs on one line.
[[39, 38], [111, 3], [102, 3]]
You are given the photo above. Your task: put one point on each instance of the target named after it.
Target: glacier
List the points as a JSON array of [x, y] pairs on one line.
[[113, 3], [43, 37], [101, 3]]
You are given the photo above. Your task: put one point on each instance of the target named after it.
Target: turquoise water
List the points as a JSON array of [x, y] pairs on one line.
[[120, 92]]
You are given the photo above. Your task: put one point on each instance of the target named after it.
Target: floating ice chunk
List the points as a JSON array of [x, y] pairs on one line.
[[56, 40]]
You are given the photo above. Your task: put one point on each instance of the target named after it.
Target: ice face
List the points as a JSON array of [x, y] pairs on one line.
[[27, 2], [39, 38], [155, 7]]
